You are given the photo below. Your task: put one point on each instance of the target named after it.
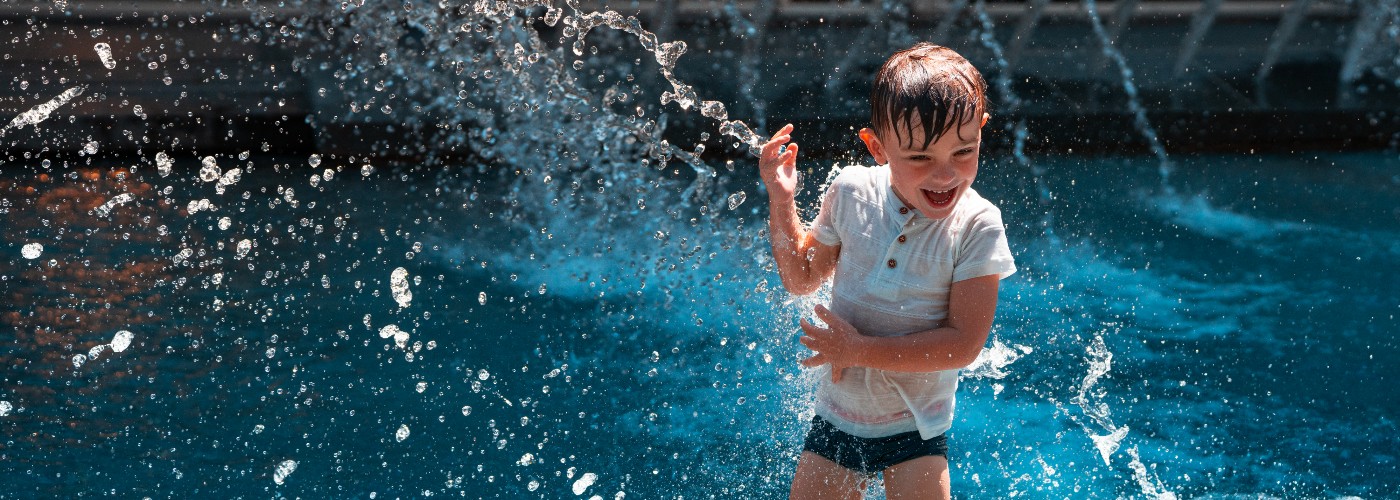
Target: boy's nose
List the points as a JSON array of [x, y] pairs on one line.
[[942, 174]]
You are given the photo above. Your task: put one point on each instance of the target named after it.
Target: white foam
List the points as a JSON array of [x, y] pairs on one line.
[[6, 408], [1197, 214]]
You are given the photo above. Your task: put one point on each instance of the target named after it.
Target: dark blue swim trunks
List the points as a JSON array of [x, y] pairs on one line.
[[870, 455]]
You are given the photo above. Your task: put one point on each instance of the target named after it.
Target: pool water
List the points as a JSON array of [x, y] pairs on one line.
[[1225, 331]]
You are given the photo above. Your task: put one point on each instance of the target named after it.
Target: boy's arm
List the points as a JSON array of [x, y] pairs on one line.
[[972, 304], [803, 262]]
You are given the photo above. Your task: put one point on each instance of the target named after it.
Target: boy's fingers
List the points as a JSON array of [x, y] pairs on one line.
[[825, 314], [836, 374], [814, 361]]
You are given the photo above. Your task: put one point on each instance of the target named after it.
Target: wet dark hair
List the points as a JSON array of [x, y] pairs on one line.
[[933, 83]]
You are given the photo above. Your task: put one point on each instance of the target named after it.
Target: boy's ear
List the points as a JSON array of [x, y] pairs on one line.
[[985, 117], [873, 145]]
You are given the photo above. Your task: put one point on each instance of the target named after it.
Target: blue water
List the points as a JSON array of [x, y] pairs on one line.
[[1240, 330], [586, 319]]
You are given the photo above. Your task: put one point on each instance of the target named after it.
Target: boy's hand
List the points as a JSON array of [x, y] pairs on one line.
[[778, 165], [839, 344]]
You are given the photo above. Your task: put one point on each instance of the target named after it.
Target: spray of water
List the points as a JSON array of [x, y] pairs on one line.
[[1144, 127]]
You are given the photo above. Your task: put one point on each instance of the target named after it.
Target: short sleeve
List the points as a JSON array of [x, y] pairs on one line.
[[984, 250], [824, 228]]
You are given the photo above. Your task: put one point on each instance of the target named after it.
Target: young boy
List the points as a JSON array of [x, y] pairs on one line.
[[915, 256]]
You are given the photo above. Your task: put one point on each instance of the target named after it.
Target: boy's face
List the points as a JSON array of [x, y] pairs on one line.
[[933, 179]]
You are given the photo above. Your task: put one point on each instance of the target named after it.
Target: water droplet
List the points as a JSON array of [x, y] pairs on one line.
[[466, 411], [34, 250], [163, 163], [314, 161], [481, 298], [284, 469], [78, 360], [104, 52], [584, 482], [243, 247], [122, 340], [398, 285], [367, 170], [737, 199], [116, 201], [209, 170], [422, 386], [6, 408], [400, 336], [402, 433]]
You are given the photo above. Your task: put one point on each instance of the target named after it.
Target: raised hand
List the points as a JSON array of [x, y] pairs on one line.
[[838, 344], [777, 164]]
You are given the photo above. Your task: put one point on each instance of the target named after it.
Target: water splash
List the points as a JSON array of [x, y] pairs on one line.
[[106, 208], [38, 114]]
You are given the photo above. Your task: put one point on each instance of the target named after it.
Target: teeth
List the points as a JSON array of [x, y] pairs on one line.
[[939, 197]]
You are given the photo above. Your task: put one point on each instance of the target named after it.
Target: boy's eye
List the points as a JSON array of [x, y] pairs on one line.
[[965, 151], [919, 158]]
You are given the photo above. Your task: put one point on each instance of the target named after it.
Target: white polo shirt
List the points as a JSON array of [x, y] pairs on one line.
[[892, 278]]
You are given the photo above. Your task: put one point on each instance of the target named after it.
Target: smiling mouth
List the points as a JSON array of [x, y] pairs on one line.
[[939, 199]]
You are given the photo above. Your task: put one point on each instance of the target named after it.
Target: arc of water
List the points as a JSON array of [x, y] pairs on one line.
[[1122, 14], [1164, 165], [753, 33], [950, 16], [1369, 23], [1287, 27], [898, 35], [1025, 29], [41, 112], [836, 78], [1019, 131], [1201, 22]]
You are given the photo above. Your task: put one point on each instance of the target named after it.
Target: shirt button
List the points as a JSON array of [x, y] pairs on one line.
[[890, 263], [902, 238], [903, 210]]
